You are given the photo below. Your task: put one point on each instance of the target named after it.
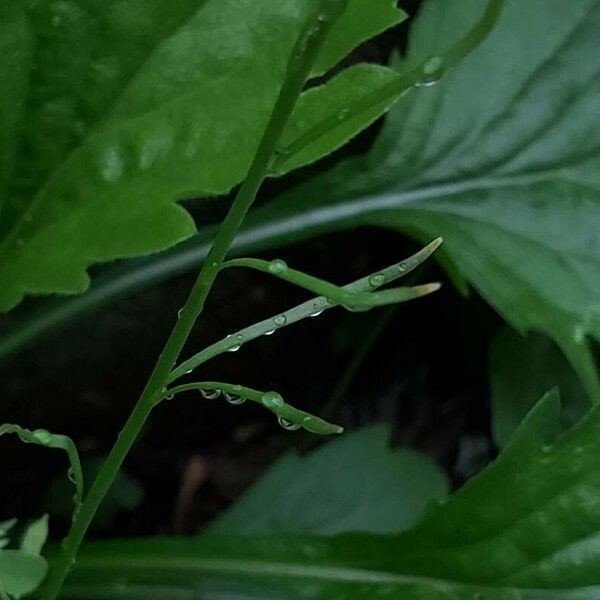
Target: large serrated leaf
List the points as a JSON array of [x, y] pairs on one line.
[[119, 113]]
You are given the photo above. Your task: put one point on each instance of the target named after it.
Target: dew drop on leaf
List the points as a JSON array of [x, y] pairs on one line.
[[272, 400], [42, 436], [234, 398], [432, 72], [210, 394], [288, 424], [277, 266], [377, 279], [280, 320]]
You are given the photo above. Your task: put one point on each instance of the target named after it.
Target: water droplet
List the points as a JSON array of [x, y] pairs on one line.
[[432, 72], [211, 394], [343, 114], [288, 424], [169, 396], [272, 400], [234, 398], [402, 267], [239, 337], [317, 309], [277, 266], [42, 436], [282, 151], [234, 348], [179, 313], [280, 320], [377, 280], [270, 332]]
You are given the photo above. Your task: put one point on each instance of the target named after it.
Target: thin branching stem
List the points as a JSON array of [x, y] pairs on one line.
[[303, 56]]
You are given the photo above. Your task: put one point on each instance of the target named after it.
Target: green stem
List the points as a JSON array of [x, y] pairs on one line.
[[310, 308], [337, 295], [289, 417], [302, 58]]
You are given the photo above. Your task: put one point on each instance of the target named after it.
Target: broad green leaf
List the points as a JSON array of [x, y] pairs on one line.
[[526, 528], [501, 158], [521, 370], [355, 483], [21, 572], [35, 536], [128, 111]]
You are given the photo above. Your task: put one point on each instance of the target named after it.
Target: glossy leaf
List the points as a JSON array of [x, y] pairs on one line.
[[355, 483], [525, 528], [21, 572], [521, 370], [127, 113], [501, 158]]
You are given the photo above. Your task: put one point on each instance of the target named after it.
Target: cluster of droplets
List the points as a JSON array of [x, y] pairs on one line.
[[235, 342], [233, 396]]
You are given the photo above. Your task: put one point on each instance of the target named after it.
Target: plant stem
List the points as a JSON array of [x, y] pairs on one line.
[[299, 66]]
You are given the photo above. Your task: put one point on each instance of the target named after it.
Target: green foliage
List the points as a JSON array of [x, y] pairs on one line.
[[355, 483], [115, 115], [22, 570], [35, 536], [521, 370], [500, 158], [20, 573], [525, 528]]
